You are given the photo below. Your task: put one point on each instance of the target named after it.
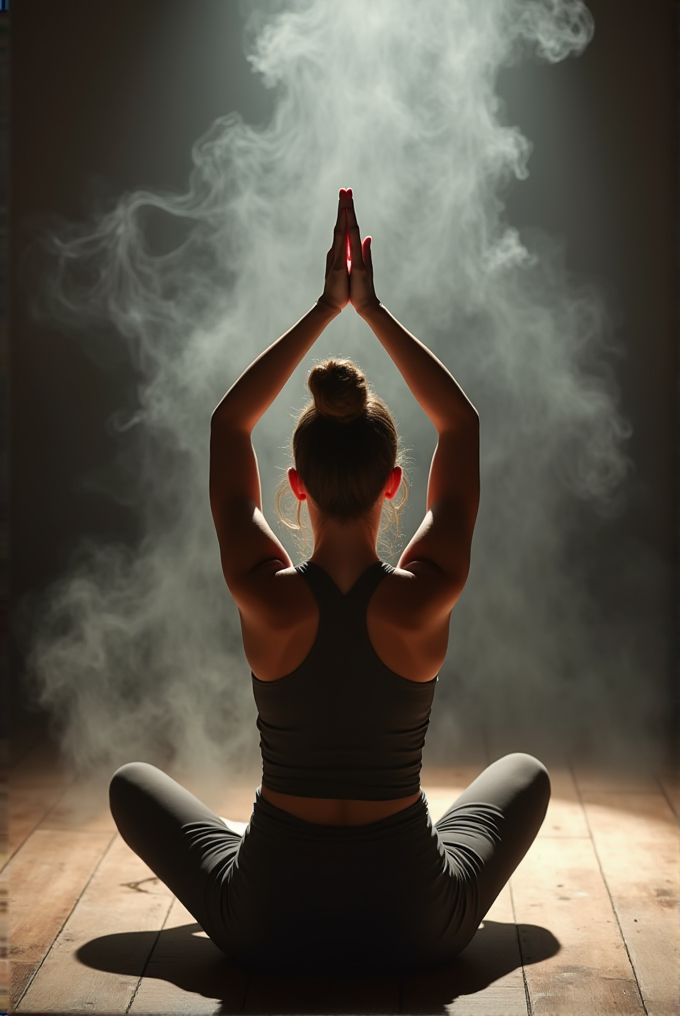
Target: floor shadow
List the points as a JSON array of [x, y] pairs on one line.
[[185, 957]]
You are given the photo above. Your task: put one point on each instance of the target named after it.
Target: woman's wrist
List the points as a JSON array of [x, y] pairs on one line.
[[328, 307], [372, 309]]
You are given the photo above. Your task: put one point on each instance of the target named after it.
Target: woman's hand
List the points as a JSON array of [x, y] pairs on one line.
[[336, 288], [361, 289]]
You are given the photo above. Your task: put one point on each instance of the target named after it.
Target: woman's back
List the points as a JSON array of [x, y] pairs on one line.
[[405, 639], [342, 725]]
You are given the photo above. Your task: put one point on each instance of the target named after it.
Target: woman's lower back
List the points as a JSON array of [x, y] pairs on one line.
[[326, 811]]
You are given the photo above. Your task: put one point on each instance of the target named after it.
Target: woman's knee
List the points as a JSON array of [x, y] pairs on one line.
[[531, 773], [126, 784]]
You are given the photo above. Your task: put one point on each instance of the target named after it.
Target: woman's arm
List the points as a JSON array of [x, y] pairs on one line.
[[252, 395], [245, 539], [432, 384], [445, 536]]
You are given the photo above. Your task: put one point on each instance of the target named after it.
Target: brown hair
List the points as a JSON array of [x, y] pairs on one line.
[[345, 442]]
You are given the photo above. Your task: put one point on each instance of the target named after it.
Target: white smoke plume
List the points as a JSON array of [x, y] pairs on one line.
[[137, 650]]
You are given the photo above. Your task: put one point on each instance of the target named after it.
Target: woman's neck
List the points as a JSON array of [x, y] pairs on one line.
[[345, 550]]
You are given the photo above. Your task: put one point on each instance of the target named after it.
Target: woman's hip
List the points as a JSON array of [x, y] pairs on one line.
[[377, 894]]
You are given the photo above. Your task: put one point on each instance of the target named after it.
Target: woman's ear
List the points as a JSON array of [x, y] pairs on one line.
[[296, 484], [394, 482]]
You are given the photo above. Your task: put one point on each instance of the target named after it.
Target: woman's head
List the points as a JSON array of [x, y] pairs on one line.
[[345, 444]]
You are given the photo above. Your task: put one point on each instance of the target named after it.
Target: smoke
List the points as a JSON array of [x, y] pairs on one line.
[[136, 652]]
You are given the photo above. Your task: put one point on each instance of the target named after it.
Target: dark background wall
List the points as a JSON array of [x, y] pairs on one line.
[[109, 97]]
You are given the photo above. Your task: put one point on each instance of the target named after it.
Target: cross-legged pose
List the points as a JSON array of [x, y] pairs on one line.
[[340, 864]]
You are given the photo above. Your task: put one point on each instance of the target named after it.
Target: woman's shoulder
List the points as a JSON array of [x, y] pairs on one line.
[[279, 617], [408, 621], [275, 593], [415, 594]]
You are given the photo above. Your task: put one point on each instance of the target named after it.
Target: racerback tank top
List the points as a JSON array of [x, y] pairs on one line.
[[342, 725]]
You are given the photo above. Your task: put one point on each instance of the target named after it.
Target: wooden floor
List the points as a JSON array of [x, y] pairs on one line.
[[588, 924]]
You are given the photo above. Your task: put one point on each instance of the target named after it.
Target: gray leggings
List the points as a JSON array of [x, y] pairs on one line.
[[401, 892]]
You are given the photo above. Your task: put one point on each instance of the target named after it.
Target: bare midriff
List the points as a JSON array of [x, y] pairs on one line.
[[327, 811]]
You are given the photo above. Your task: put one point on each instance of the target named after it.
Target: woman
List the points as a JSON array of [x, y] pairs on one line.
[[340, 864]]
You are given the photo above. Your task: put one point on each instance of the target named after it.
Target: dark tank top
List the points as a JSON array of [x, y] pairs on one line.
[[342, 725]]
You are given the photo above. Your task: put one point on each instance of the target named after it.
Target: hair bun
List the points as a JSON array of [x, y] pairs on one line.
[[339, 390]]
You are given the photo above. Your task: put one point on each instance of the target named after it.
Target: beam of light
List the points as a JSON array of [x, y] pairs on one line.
[[138, 650]]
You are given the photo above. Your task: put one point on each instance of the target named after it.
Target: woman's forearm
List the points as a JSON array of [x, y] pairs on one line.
[[434, 387], [250, 397]]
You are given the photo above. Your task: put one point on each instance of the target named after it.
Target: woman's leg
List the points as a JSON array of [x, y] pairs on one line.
[[182, 841], [490, 827]]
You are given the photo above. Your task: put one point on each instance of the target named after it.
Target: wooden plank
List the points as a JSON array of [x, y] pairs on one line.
[[558, 890], [565, 815], [98, 956], [485, 980], [187, 974], [47, 875], [630, 781], [28, 806], [670, 786], [637, 845], [20, 975], [83, 805]]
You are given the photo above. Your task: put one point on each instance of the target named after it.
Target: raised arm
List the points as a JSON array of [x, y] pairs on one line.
[[444, 538], [246, 540]]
